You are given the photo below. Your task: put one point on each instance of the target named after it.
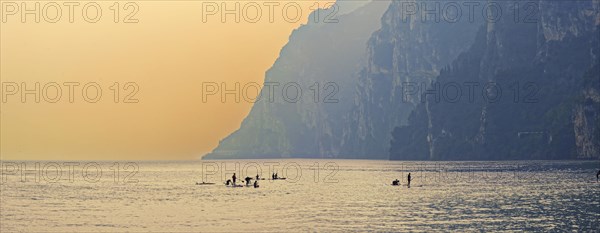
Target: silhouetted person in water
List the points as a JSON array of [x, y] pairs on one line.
[[396, 182], [248, 180], [233, 178], [228, 182], [273, 176], [256, 183], [409, 179], [597, 175], [276, 177], [257, 177]]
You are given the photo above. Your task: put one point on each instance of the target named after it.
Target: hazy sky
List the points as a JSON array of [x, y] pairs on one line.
[[167, 55]]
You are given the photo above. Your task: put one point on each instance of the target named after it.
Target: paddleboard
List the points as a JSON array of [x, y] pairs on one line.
[[204, 183]]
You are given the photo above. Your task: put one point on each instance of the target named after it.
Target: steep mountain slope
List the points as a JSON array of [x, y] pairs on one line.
[[411, 47], [329, 54], [537, 96]]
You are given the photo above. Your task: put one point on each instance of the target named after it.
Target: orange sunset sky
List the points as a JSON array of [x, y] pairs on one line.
[[167, 54]]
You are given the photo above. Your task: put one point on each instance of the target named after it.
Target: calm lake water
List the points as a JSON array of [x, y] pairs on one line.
[[318, 195]]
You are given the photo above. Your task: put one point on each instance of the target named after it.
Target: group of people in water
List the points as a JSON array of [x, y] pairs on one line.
[[397, 182], [248, 180], [275, 177]]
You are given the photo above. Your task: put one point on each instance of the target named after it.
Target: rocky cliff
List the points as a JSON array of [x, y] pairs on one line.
[[412, 46], [511, 80], [321, 57], [538, 99]]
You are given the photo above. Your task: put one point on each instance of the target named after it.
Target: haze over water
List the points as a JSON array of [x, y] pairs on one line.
[[346, 195]]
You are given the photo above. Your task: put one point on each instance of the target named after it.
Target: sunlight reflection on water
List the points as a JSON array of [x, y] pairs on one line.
[[342, 195]]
